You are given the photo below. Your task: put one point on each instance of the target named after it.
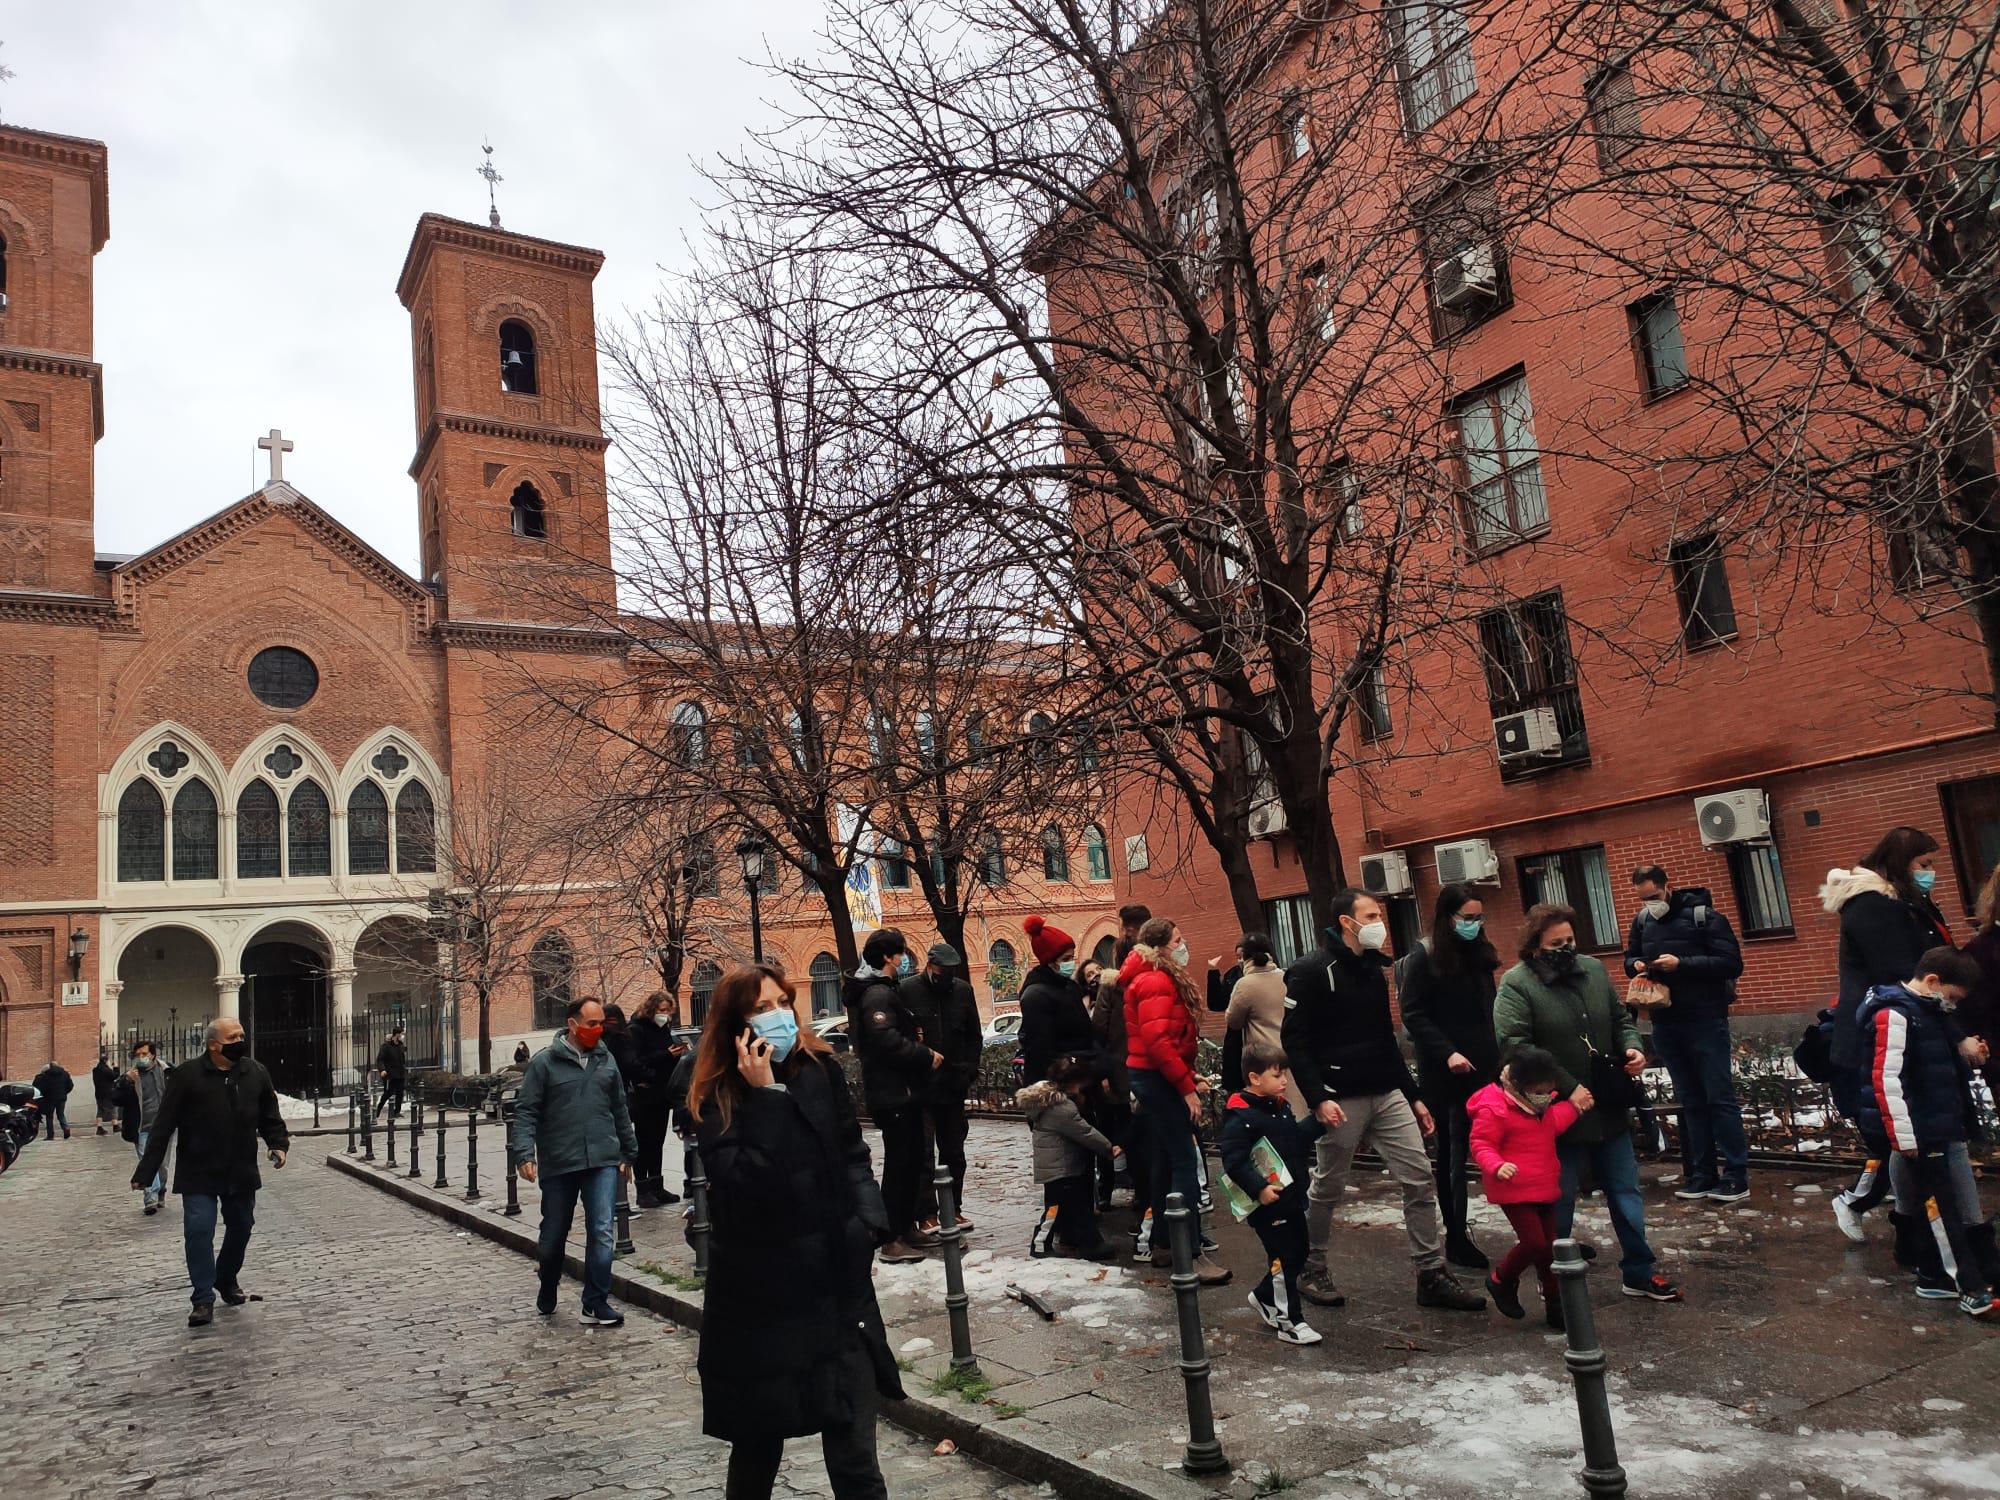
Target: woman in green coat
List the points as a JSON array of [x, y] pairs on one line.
[[1562, 1001]]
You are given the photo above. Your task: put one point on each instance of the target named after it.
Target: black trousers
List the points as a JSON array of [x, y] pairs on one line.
[[1454, 1150], [1947, 1224], [948, 1130], [392, 1097], [1284, 1242], [1075, 1224], [902, 1164], [849, 1450], [1110, 1110], [649, 1120]]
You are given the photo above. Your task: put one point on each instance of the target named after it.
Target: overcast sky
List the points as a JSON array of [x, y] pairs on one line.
[[268, 164]]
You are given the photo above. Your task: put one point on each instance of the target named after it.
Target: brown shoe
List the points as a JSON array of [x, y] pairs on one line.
[[1211, 1272], [896, 1253]]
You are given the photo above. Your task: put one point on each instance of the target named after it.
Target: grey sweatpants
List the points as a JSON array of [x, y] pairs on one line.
[[1387, 1125]]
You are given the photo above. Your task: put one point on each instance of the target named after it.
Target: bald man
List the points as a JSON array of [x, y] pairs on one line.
[[217, 1106]]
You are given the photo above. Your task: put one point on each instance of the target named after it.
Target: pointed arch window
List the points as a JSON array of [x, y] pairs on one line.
[[992, 862], [1096, 853], [531, 517], [1055, 856], [690, 734], [257, 842], [308, 831], [416, 830], [142, 833], [517, 359], [3, 272], [701, 989], [194, 832], [367, 830], [825, 973]]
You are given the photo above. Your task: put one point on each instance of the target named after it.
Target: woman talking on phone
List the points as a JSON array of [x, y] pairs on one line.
[[792, 1342]]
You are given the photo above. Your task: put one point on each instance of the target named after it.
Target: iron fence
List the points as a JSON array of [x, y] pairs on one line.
[[322, 1058]]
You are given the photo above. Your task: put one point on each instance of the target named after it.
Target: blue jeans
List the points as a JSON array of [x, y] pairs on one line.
[[206, 1269], [1176, 1164], [1617, 1172], [157, 1188], [598, 1187], [1696, 1053]]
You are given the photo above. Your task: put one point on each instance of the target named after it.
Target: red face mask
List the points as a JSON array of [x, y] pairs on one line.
[[586, 1036]]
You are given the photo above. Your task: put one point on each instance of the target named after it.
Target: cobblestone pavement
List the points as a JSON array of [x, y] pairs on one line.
[[391, 1356]]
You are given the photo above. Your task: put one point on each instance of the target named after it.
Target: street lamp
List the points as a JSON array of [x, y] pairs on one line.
[[79, 944], [753, 854]]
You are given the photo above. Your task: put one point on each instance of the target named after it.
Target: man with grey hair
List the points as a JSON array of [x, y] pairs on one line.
[[218, 1106]]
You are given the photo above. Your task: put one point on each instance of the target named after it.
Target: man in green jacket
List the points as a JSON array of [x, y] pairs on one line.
[[573, 1134]]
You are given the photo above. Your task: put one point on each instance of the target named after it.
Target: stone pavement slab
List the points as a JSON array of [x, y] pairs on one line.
[[389, 1357], [1793, 1368]]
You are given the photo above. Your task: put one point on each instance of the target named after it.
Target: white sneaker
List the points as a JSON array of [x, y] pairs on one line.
[[1848, 1220], [1268, 1311], [1142, 1240], [1296, 1333]]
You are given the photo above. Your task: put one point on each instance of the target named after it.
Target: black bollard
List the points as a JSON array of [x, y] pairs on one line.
[[416, 1141], [1203, 1454], [952, 1238], [1602, 1474], [698, 1225], [513, 1208], [350, 1122], [623, 1245], [440, 1150], [315, 1106], [367, 1127], [472, 1156], [389, 1142]]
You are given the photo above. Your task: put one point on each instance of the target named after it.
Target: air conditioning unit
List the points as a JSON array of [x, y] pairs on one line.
[[1529, 735], [1467, 860], [1468, 277], [1267, 820], [1739, 817], [1386, 874]]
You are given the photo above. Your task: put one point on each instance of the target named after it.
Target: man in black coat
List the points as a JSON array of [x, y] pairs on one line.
[[392, 1066], [1679, 940], [218, 1106], [948, 1020], [103, 1079], [55, 1083], [896, 1069]]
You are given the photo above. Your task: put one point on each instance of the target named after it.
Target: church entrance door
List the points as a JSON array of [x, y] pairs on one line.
[[285, 1013]]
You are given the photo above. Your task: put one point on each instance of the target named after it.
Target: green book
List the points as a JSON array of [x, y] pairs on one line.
[[1267, 1161]]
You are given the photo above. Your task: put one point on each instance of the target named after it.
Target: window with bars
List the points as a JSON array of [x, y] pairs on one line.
[[1526, 653], [1433, 59], [1289, 921], [825, 976], [701, 989], [1701, 585], [1614, 112], [1504, 499], [1580, 880], [1656, 336], [1759, 879]]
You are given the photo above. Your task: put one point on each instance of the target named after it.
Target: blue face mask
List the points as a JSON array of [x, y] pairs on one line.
[[780, 1028], [1067, 968], [1468, 928], [1923, 880]]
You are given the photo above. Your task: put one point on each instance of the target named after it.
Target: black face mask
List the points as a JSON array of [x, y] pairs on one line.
[[237, 1050], [1560, 960]]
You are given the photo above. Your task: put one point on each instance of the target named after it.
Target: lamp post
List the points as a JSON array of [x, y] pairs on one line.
[[753, 854], [79, 945]]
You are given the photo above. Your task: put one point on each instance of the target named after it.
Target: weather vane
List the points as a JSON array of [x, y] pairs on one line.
[[492, 175]]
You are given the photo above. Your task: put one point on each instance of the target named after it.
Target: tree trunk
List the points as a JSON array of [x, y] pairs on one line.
[[1310, 819], [848, 951], [951, 929], [485, 1031], [1234, 855]]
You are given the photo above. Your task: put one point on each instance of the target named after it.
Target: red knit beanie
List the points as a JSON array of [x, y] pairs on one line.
[[1049, 943]]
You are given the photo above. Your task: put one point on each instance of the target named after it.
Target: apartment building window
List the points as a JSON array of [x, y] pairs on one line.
[[1972, 816], [1701, 584], [1858, 250], [1614, 112], [1433, 58], [1656, 334], [895, 865], [1341, 487], [1371, 705], [1759, 879], [1526, 652], [1504, 499], [1289, 920], [1294, 131], [1465, 256], [1580, 880], [1317, 304]]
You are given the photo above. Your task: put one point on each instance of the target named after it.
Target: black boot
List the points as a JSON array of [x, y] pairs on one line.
[[1914, 1245], [1985, 1251], [1460, 1251]]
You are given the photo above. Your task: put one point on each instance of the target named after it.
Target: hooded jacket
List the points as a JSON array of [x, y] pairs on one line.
[[55, 1083], [1066, 1145], [570, 1114], [1250, 1118], [895, 1060], [1338, 1036], [1919, 1090], [1055, 1019], [1502, 1132], [948, 1020], [1160, 1032], [1882, 936], [1711, 960]]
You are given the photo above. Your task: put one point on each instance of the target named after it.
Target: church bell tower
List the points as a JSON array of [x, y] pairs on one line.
[[510, 449]]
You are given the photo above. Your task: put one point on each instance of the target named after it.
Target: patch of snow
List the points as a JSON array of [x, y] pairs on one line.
[[917, 1346]]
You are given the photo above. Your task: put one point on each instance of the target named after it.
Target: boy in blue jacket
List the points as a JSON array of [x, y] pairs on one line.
[[1261, 1112], [1917, 1101]]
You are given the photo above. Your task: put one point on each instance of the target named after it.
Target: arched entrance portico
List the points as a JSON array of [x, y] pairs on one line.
[[285, 1006], [166, 991]]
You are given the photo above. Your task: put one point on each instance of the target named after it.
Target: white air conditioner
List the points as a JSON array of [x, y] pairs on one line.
[[1737, 817], [1267, 820], [1529, 735], [1469, 859], [3, 301], [1386, 874], [1469, 276]]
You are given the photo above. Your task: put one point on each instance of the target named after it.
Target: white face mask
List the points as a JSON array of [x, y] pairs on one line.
[[661, 1018], [1179, 954], [1374, 935], [1657, 910]]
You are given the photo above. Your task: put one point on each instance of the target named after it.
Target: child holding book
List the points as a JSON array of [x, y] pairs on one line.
[[1266, 1154], [1515, 1123]]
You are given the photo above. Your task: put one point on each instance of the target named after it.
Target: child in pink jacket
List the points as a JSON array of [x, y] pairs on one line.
[[1515, 1123]]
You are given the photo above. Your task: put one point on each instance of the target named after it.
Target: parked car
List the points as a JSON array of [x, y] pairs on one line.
[[1005, 1026], [833, 1031]]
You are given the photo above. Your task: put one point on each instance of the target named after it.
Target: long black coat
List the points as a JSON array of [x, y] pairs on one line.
[[1881, 939], [1054, 1020], [796, 1216], [948, 1020], [1447, 1013], [217, 1114], [896, 1065]]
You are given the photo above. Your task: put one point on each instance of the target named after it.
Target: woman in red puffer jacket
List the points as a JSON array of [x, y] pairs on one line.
[[1160, 1039]]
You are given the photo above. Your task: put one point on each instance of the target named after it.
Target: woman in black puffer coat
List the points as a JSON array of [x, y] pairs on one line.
[[792, 1341]]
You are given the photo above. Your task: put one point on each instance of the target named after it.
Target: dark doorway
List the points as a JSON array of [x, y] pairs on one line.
[[285, 1013]]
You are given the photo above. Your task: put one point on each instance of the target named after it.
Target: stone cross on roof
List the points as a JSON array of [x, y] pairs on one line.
[[277, 445]]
